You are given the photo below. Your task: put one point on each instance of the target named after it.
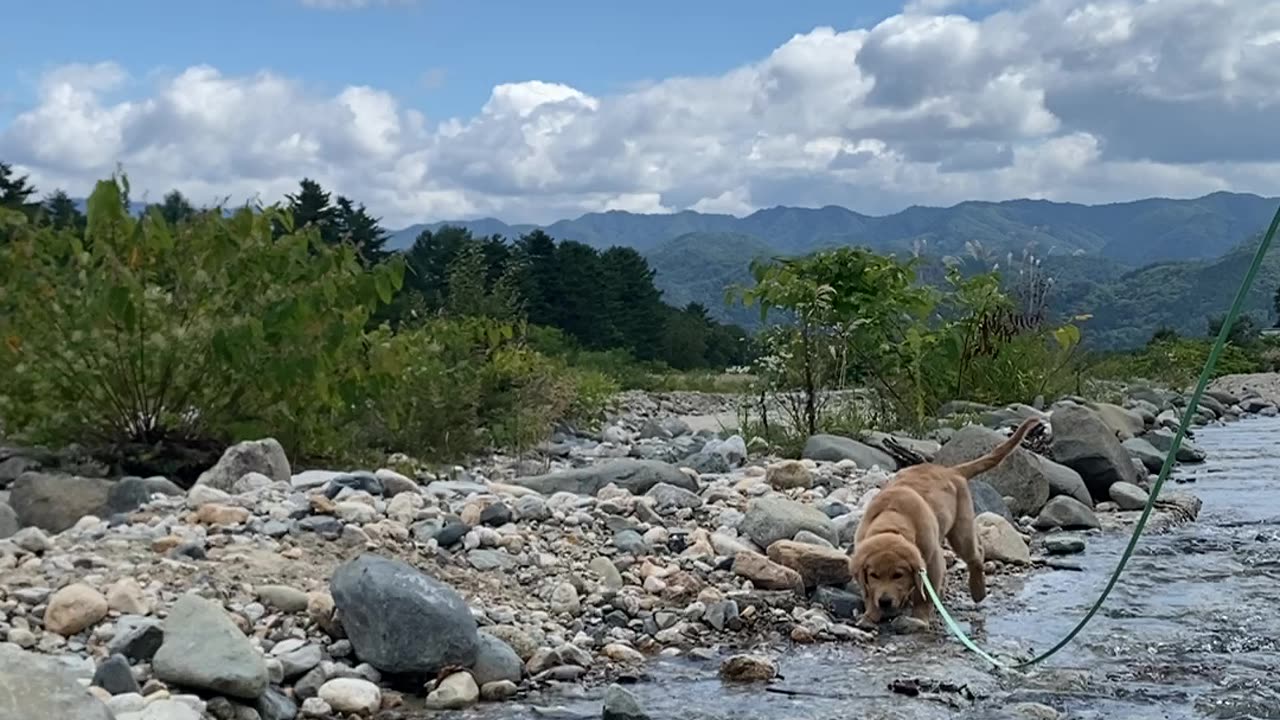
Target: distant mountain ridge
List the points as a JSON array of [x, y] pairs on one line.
[[1134, 232], [1135, 266]]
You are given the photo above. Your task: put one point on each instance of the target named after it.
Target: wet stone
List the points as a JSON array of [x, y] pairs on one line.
[[1063, 544]]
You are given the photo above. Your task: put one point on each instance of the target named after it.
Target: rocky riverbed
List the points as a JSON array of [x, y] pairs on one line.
[[646, 551]]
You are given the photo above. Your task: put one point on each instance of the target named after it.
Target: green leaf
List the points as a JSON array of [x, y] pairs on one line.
[[121, 307], [382, 284]]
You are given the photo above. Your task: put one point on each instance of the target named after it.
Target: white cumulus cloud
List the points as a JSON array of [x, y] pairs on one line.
[[1063, 99]]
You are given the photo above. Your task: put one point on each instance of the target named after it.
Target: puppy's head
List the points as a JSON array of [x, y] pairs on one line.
[[888, 566]]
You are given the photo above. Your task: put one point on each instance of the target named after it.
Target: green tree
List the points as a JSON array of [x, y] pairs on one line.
[[136, 332], [581, 303], [61, 212], [684, 340], [633, 309], [429, 258], [1244, 331], [311, 206], [15, 194], [856, 317], [354, 224], [175, 208], [540, 282]]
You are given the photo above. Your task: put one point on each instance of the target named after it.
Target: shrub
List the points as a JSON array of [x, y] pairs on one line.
[[455, 386], [137, 331]]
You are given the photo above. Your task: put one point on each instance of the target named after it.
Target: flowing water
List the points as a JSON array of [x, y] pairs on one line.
[[1192, 630]]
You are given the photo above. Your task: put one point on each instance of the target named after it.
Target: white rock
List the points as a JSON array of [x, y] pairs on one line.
[[351, 695], [311, 479], [163, 710], [316, 708], [1000, 541], [250, 482], [206, 494], [456, 691]]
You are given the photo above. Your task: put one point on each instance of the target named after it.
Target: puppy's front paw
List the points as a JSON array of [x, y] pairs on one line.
[[867, 623], [908, 625]]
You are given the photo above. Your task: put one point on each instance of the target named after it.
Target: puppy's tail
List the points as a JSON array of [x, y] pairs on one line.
[[999, 453]]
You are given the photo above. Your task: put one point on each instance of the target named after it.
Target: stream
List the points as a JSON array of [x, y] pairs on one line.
[[1192, 630]]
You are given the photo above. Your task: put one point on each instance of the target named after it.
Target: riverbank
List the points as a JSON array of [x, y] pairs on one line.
[[604, 561]]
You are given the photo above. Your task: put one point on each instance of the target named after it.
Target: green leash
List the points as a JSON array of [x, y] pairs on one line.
[[1192, 404]]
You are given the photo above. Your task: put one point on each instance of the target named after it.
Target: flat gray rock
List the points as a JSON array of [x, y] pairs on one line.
[[1066, 513], [833, 448], [54, 502], [35, 686], [1146, 453], [204, 650], [773, 517], [635, 476]]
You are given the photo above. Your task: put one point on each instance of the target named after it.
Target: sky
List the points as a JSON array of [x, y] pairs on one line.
[[429, 110]]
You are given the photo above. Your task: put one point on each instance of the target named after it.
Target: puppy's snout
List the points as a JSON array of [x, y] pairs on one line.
[[886, 602]]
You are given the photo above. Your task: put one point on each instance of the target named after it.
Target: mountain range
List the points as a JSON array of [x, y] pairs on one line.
[[1135, 266]]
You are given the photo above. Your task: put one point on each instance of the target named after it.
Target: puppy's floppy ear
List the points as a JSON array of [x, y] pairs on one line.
[[858, 567], [916, 562]]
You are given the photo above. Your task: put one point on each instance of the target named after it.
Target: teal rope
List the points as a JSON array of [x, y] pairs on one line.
[[1192, 405]]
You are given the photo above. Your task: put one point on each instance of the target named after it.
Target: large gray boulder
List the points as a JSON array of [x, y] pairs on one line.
[[204, 650], [636, 476], [774, 517], [54, 503], [400, 620], [1086, 444], [38, 687], [264, 456], [833, 448], [1125, 423], [1022, 476], [8, 521]]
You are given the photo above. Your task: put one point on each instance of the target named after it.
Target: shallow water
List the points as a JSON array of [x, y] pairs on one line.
[[1192, 630]]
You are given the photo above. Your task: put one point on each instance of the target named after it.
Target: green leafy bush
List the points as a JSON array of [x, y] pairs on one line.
[[1178, 362], [454, 386], [858, 319], [139, 331]]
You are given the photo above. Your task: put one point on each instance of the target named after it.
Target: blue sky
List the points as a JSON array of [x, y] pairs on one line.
[[530, 112], [443, 56]]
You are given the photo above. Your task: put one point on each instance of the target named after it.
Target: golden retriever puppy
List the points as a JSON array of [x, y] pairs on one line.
[[902, 530]]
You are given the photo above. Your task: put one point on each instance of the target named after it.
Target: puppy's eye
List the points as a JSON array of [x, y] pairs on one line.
[[875, 576], [897, 574]]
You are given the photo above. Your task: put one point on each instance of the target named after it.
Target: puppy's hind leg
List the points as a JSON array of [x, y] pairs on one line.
[[963, 539]]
